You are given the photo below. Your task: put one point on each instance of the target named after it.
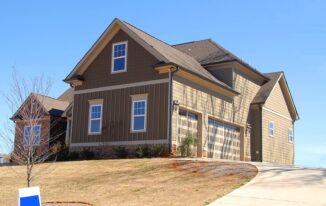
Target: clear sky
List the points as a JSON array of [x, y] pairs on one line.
[[50, 37]]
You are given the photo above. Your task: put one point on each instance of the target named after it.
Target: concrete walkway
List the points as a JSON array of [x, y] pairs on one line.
[[280, 185]]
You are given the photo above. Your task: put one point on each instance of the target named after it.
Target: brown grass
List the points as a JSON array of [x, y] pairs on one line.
[[131, 181]]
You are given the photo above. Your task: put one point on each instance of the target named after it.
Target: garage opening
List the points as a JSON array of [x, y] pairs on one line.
[[223, 140]]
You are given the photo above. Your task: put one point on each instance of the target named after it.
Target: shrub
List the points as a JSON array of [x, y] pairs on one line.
[[148, 152], [120, 152], [73, 156], [158, 150], [186, 147], [87, 154], [139, 152]]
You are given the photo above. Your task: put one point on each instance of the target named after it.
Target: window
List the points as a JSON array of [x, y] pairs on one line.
[[119, 57], [138, 121], [290, 135], [33, 107], [271, 128], [36, 134], [95, 119]]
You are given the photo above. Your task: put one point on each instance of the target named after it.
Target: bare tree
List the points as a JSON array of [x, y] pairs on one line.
[[30, 135]]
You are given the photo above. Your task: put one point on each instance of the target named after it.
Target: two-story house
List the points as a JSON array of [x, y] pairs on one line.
[[132, 89]]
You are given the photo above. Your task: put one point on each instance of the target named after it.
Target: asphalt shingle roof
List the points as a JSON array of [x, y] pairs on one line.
[[174, 55], [267, 88]]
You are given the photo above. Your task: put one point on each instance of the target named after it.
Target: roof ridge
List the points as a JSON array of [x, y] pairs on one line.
[[48, 97], [145, 32], [190, 42]]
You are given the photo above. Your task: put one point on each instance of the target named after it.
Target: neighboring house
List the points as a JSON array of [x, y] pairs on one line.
[[132, 89], [39, 121]]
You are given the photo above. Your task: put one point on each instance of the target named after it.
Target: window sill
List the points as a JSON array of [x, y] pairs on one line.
[[117, 72]]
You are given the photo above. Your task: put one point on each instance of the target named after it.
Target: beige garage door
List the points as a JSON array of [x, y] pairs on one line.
[[223, 140], [187, 125]]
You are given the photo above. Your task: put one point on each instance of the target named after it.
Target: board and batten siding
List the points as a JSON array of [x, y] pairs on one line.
[[116, 117], [140, 66], [277, 149]]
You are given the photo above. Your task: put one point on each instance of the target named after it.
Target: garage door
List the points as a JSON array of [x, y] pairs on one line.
[[223, 140], [187, 125]]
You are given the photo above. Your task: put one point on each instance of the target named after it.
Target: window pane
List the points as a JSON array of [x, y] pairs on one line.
[[139, 108], [96, 112], [95, 125], [119, 64], [139, 123]]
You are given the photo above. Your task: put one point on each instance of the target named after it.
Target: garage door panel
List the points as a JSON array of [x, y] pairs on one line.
[[223, 140]]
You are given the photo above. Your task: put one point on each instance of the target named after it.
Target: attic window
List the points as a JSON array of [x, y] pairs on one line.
[[119, 57]]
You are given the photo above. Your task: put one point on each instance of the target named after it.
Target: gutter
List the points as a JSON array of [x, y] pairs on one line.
[[170, 106]]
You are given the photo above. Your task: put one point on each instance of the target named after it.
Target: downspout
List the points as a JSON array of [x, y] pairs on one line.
[[170, 107], [261, 132]]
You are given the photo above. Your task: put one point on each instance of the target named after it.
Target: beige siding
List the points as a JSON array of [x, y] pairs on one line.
[[248, 89], [277, 149], [209, 104], [277, 103], [116, 117]]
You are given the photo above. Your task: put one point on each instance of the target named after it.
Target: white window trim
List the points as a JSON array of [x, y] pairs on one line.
[[133, 115], [269, 129], [90, 119], [32, 128], [290, 141], [113, 58]]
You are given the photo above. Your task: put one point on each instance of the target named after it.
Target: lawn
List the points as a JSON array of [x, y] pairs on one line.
[[130, 181]]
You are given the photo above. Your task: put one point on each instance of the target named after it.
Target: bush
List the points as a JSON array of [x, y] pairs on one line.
[[186, 147], [87, 154], [120, 152], [73, 156], [139, 152], [158, 150], [148, 152]]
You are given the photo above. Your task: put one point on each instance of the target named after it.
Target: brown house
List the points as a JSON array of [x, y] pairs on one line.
[[39, 121], [132, 89]]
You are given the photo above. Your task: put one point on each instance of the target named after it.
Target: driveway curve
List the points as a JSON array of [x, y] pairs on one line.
[[280, 185]]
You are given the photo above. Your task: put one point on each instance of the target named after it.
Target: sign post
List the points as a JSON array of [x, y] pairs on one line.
[[29, 196]]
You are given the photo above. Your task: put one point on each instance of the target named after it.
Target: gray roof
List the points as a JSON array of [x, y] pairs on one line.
[[209, 52], [267, 88], [174, 55]]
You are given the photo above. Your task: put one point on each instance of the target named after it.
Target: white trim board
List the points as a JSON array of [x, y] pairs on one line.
[[281, 115], [118, 143], [122, 86]]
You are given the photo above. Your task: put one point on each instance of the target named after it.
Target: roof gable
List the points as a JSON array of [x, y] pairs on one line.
[[266, 90], [161, 50]]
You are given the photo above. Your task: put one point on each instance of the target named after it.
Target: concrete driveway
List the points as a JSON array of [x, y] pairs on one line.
[[280, 185]]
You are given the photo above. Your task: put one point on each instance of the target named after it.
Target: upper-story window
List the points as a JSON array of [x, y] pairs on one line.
[[32, 136], [290, 135], [119, 57], [271, 129]]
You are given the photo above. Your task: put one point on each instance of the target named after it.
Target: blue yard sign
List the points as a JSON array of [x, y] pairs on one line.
[[29, 197]]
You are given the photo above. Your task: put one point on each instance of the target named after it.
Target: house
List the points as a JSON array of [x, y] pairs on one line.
[[132, 89], [4, 159], [39, 121]]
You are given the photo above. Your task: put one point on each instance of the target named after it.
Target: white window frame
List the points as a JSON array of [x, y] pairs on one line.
[[133, 115], [113, 58], [290, 140], [269, 129], [30, 132], [90, 119]]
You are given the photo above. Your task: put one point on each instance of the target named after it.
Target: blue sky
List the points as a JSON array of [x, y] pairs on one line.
[[50, 37]]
